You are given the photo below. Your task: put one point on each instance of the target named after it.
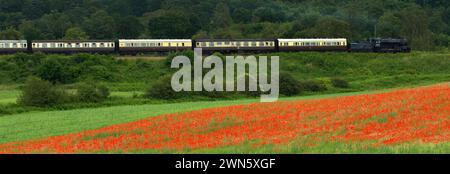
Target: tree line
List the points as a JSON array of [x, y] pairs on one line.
[[425, 23]]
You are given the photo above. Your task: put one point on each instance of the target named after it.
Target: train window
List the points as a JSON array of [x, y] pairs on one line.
[[219, 43], [2, 45], [159, 44], [203, 44], [211, 44], [182, 44], [227, 43], [253, 44], [77, 45], [103, 44]]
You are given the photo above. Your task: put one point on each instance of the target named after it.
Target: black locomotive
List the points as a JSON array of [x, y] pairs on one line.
[[380, 45]]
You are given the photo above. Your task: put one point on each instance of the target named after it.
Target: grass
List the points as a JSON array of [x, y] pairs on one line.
[[34, 125], [328, 148], [9, 96]]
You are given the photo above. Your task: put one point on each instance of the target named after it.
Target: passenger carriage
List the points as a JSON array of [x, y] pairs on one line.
[[335, 44], [72, 46], [133, 46], [13, 46], [236, 45]]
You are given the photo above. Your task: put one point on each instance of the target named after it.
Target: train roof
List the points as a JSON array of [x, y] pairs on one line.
[[230, 40], [312, 39], [70, 41], [13, 41], [155, 40]]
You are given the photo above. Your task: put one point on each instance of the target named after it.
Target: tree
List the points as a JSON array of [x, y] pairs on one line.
[[328, 27], [129, 27], [29, 31], [201, 35], [222, 17], [415, 24], [54, 25], [389, 25], [99, 26], [170, 24], [241, 15], [10, 34], [34, 9], [75, 33], [40, 93], [268, 14]]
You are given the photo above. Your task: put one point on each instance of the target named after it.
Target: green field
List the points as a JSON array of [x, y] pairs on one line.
[[43, 124]]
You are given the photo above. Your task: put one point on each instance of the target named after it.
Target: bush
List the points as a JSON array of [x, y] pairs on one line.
[[40, 93], [162, 89], [289, 86], [339, 83], [92, 93], [313, 86], [54, 71], [187, 53]]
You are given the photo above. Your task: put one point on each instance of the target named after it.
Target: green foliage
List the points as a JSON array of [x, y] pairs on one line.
[[54, 71], [91, 92], [289, 86], [40, 93], [222, 17], [170, 24], [313, 86], [162, 89], [100, 25], [75, 33], [389, 25], [329, 27], [339, 82], [10, 34]]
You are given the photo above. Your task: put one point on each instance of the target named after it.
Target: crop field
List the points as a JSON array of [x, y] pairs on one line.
[[415, 120], [42, 124]]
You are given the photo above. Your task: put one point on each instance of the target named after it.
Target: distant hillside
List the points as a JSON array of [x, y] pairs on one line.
[[424, 23]]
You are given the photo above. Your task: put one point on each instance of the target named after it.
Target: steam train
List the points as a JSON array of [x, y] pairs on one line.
[[137, 46]]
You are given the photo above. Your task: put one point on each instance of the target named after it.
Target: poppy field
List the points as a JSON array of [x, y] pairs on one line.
[[401, 121]]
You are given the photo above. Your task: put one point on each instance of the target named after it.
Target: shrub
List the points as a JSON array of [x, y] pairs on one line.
[[187, 53], [313, 86], [289, 86], [92, 93], [54, 71], [339, 83], [40, 93], [162, 89]]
